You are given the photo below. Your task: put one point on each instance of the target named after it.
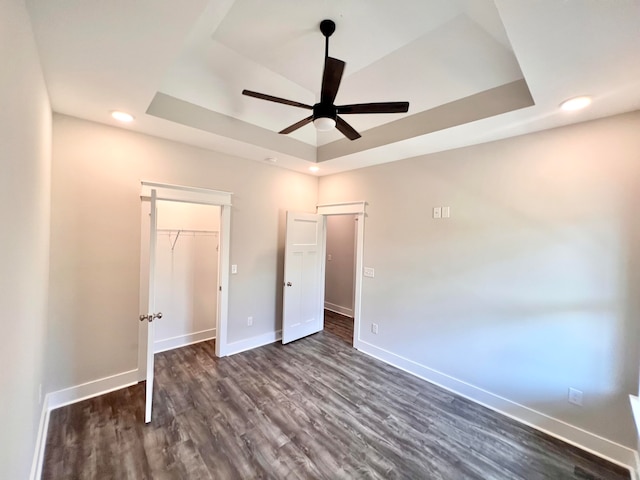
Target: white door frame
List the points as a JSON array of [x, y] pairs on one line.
[[357, 209], [203, 196]]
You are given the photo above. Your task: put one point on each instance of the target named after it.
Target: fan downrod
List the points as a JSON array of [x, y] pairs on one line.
[[327, 27]]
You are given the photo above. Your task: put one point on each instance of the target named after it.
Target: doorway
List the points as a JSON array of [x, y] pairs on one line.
[[304, 270], [340, 270], [151, 193], [186, 274]]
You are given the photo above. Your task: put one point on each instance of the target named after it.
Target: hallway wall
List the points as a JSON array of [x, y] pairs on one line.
[[340, 263], [25, 170]]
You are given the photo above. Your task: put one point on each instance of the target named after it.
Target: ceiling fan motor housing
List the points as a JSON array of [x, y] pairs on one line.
[[324, 111]]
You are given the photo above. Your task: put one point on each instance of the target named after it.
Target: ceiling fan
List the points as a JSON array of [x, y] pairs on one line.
[[325, 114]]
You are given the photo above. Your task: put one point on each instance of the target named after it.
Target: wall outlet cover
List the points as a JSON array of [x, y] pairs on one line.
[[575, 396]]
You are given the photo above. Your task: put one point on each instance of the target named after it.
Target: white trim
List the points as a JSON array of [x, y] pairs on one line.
[[224, 250], [341, 208], [183, 340], [182, 193], [41, 441], [357, 288], [635, 408], [254, 342], [338, 309], [635, 472], [92, 389], [588, 441]]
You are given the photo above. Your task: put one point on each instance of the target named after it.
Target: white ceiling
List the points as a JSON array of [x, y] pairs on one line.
[[472, 70]]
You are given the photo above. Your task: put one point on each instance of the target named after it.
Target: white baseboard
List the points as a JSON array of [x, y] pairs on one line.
[[68, 396], [338, 309], [92, 389], [253, 342], [611, 451], [41, 441], [183, 340]]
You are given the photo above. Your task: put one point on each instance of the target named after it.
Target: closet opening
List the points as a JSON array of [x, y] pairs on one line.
[[184, 265], [186, 274], [340, 275]]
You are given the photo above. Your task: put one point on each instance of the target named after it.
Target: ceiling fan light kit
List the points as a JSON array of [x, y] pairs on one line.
[[325, 113], [324, 124]]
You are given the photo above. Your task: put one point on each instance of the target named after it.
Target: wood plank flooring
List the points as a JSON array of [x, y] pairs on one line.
[[312, 409], [340, 325]]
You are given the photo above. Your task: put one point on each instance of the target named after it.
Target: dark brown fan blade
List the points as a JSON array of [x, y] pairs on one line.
[[333, 69], [346, 129], [271, 98], [381, 107], [297, 125]]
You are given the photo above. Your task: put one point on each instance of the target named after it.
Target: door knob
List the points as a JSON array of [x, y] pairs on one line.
[[289, 284], [150, 317]]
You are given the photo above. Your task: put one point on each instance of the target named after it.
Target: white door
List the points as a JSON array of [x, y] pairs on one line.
[[303, 304], [151, 315]]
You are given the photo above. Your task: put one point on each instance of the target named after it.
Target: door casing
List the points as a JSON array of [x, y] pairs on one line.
[[357, 209], [186, 194]]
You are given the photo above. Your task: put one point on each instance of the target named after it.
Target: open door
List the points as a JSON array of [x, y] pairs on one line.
[[151, 315], [303, 303]]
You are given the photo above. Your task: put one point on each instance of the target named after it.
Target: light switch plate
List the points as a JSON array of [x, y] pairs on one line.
[[234, 269], [437, 212], [446, 212], [369, 272]]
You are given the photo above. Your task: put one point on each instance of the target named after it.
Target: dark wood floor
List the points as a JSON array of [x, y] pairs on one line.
[[340, 325], [315, 408]]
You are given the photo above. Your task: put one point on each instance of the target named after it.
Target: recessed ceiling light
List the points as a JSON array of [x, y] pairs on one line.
[[314, 169], [122, 116], [271, 159], [576, 103]]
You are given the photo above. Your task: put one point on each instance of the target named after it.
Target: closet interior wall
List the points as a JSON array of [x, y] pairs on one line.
[[186, 274]]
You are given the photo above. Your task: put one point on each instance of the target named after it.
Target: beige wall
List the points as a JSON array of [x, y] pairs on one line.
[[531, 287], [187, 216], [25, 154], [95, 240], [339, 271]]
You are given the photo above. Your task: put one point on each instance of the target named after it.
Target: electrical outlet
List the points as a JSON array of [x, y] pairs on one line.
[[234, 269], [369, 272], [374, 328], [575, 396], [249, 321], [329, 257], [437, 212]]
